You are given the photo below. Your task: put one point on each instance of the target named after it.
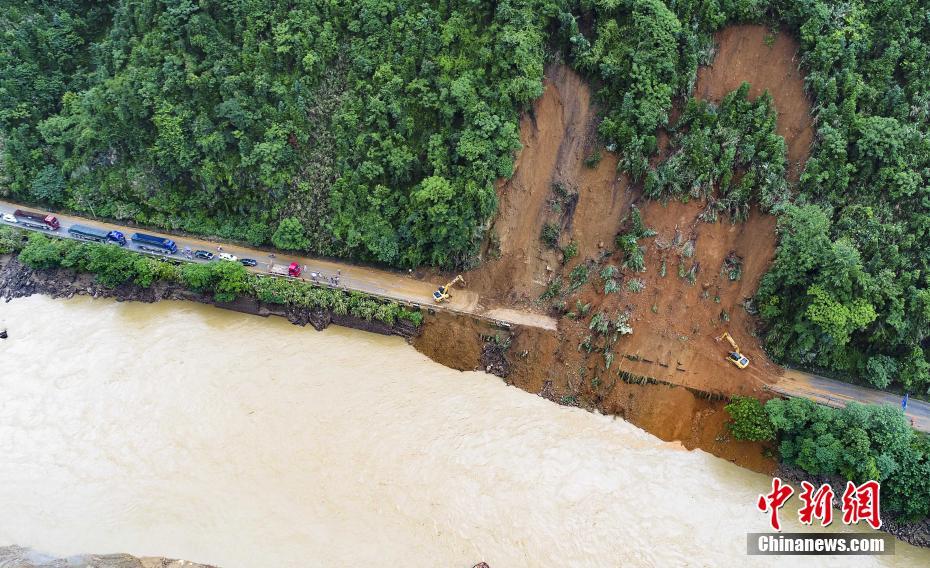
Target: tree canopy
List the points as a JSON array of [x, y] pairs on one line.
[[376, 130], [380, 126]]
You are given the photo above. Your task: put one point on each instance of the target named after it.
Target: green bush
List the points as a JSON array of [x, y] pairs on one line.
[[713, 143], [578, 277], [858, 442], [550, 235], [569, 252], [290, 235], [42, 252], [112, 265], [11, 240], [749, 420], [226, 281]]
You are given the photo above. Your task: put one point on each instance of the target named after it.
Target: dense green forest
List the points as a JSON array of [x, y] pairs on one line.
[[858, 443], [379, 126], [376, 130]]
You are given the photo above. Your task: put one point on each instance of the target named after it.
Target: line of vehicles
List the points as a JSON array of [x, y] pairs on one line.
[[163, 245], [142, 241]]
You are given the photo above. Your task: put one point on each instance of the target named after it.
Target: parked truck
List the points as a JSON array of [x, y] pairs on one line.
[[152, 243], [37, 220], [97, 235], [292, 269]]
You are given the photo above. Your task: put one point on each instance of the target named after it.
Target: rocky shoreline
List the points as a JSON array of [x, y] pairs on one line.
[[20, 281], [20, 557]]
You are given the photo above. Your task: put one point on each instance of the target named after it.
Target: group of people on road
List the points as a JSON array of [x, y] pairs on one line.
[[316, 277], [332, 280]]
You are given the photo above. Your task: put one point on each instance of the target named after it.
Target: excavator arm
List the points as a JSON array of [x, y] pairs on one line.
[[736, 356], [726, 335], [443, 293]]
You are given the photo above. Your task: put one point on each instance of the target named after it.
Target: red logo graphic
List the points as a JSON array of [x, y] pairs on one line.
[[861, 503], [775, 500], [817, 505]]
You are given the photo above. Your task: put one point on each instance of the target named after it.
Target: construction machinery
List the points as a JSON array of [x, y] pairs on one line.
[[443, 293], [735, 356]]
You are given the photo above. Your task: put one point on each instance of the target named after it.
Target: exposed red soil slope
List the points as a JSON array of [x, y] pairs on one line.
[[768, 62], [675, 321], [557, 135]]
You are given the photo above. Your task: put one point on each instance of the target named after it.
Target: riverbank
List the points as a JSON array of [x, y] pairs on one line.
[[19, 281], [465, 345], [20, 557], [522, 357], [139, 433]]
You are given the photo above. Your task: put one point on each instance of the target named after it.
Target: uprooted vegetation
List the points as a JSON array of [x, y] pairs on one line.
[[727, 155], [856, 303]]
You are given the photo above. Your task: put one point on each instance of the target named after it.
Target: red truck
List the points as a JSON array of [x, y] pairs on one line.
[[37, 220], [292, 270]]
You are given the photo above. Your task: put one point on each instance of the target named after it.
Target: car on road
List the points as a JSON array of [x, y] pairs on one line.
[[248, 262], [9, 218], [229, 257], [204, 254]]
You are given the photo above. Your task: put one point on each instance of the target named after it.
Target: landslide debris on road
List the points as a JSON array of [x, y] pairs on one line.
[[697, 280]]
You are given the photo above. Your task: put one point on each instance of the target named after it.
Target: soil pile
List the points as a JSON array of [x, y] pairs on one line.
[[557, 135]]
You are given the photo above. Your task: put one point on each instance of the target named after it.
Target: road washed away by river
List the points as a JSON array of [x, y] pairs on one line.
[[180, 430]]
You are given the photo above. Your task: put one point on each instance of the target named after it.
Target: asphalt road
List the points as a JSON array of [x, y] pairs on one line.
[[837, 394], [408, 290], [390, 285]]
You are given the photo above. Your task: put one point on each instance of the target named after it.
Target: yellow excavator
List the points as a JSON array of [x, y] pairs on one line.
[[443, 293], [734, 356]]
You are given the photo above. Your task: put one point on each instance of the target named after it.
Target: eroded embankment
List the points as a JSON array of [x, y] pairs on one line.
[[534, 361], [19, 281], [669, 376]]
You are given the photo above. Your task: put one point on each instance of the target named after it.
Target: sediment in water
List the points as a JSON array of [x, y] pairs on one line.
[[522, 357]]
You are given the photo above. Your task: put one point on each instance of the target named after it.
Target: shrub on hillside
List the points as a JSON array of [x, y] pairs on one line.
[[749, 420]]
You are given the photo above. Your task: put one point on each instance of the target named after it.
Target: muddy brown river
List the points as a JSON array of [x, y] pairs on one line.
[[186, 431]]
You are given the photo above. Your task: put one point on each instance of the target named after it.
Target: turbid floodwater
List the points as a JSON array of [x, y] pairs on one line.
[[181, 430]]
